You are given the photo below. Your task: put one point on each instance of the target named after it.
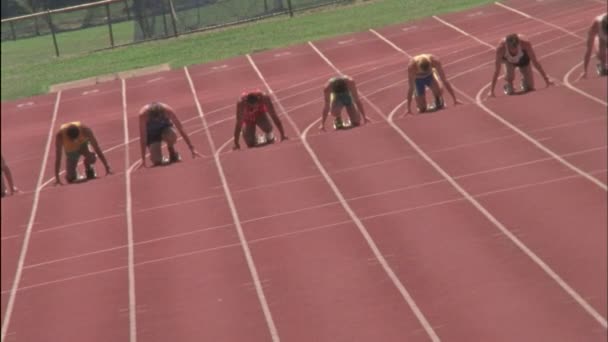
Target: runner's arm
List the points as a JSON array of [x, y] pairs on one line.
[[143, 136], [439, 67], [535, 61], [89, 134], [58, 155], [326, 100], [352, 87], [500, 50], [593, 31], [178, 124], [273, 114], [238, 124], [411, 75]]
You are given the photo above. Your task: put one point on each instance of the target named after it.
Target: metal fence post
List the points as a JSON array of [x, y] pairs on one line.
[[290, 8], [128, 10], [164, 10], [36, 28], [48, 17], [173, 17], [110, 24], [13, 30], [198, 12]]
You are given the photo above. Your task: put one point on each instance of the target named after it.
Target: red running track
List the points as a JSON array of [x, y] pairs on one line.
[[486, 221]]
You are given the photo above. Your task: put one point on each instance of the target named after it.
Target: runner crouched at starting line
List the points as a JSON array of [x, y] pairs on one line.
[[156, 122], [425, 70], [597, 42], [252, 110], [514, 51], [76, 139], [341, 92]]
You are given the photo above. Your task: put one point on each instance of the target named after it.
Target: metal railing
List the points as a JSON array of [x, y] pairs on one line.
[[76, 29]]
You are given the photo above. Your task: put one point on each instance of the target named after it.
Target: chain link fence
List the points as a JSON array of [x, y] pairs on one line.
[[111, 23]]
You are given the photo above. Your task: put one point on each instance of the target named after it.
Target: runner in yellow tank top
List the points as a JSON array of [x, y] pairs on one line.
[[74, 139], [425, 70]]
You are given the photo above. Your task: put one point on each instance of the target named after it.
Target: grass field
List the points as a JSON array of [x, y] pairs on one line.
[[26, 71]]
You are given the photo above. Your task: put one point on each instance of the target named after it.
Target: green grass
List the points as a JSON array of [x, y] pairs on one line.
[[26, 76]]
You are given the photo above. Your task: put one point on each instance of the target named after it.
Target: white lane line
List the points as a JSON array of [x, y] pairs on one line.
[[129, 219], [87, 92], [538, 144], [136, 244], [461, 31], [540, 20], [578, 90], [30, 225], [156, 79], [409, 28], [220, 67], [25, 104], [342, 42], [235, 216]]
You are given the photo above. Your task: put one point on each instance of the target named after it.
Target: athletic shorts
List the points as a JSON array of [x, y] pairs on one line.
[[422, 83]]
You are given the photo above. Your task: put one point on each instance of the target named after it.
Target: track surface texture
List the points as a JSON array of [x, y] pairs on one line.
[[485, 221]]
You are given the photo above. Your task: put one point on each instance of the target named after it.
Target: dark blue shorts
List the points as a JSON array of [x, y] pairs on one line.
[[155, 134], [422, 83]]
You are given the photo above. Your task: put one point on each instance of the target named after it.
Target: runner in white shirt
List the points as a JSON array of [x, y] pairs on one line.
[[596, 41], [514, 51]]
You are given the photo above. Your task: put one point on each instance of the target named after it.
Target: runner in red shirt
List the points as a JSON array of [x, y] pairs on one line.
[[253, 109]]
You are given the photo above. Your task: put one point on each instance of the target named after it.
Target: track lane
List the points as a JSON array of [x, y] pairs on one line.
[[96, 302], [315, 302], [196, 296], [25, 126]]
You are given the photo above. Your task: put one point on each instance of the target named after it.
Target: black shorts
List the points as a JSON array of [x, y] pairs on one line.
[[156, 135], [523, 62]]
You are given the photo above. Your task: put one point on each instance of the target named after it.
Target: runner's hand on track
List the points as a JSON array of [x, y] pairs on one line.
[[321, 127], [583, 75], [195, 154]]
